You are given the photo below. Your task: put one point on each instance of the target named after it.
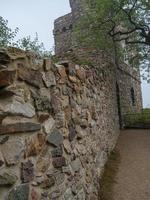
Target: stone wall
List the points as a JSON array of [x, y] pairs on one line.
[[128, 80], [58, 123], [125, 76], [63, 26], [63, 33]]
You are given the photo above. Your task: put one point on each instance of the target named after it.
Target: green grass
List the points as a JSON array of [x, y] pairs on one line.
[[108, 179], [135, 118]]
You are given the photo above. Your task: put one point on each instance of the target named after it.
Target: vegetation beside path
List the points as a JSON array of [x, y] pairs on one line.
[[137, 118], [108, 179]]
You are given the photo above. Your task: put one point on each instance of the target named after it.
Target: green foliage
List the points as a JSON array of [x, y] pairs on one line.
[[7, 36], [55, 58], [134, 118], [34, 45], [82, 62], [90, 34], [122, 24]]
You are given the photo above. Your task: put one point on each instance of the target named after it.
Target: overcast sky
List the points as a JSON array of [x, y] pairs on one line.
[[32, 16]]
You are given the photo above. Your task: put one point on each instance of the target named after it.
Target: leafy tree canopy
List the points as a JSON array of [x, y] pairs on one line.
[[34, 45], [126, 22], [7, 36]]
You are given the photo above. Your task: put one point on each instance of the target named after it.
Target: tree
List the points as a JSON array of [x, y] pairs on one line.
[[130, 21], [127, 20], [115, 23], [7, 35], [34, 45], [7, 38]]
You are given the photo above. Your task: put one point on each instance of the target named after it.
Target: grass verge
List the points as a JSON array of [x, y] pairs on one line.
[[137, 118], [108, 179]]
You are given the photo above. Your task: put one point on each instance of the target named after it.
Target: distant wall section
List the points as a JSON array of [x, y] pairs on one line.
[[63, 33]]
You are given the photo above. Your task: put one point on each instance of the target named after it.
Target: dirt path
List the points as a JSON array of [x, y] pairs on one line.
[[133, 178]]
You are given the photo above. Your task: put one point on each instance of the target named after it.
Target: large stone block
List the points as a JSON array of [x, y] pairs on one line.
[[47, 64], [31, 77], [4, 57], [43, 116], [72, 133], [60, 119], [7, 77], [49, 79], [13, 151], [20, 192], [49, 125], [62, 73], [76, 165], [19, 90], [16, 107], [48, 182], [58, 175], [56, 104], [81, 73], [55, 138], [27, 171], [42, 103], [57, 152], [9, 54], [19, 128], [7, 179], [59, 162], [35, 145], [43, 161]]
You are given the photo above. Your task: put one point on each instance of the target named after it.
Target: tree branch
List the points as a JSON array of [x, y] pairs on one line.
[[134, 42], [134, 4], [131, 21]]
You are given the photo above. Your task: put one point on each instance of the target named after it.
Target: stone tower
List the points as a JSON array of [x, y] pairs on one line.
[[125, 77], [63, 26], [65, 40], [77, 7]]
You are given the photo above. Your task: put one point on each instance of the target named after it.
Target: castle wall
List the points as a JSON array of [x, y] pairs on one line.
[[63, 33], [78, 7], [58, 123], [64, 25], [127, 78], [128, 81], [116, 88]]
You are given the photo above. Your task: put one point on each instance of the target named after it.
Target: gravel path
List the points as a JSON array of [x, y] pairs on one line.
[[133, 178]]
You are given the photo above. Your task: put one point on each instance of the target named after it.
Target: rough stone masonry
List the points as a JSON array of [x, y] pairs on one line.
[[125, 78], [59, 121], [55, 128]]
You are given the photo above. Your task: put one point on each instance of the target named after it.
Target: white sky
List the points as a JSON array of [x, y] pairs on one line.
[[32, 16]]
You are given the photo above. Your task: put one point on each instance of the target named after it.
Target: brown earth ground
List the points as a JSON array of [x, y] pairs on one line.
[[133, 175]]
